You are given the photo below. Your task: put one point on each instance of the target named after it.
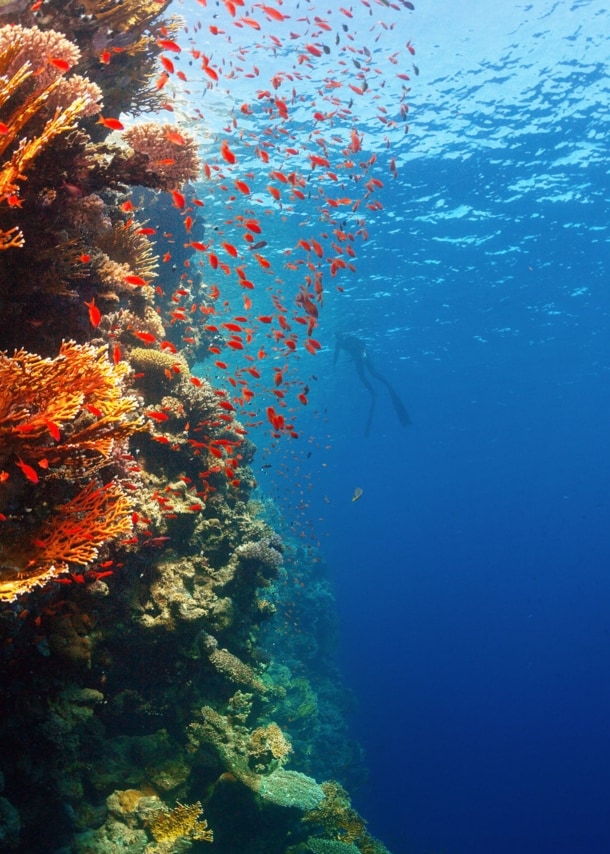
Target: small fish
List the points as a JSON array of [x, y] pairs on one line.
[[147, 337], [175, 137], [110, 123], [226, 152], [135, 280], [178, 198], [357, 493], [95, 315], [168, 44], [59, 63], [28, 471], [158, 416]]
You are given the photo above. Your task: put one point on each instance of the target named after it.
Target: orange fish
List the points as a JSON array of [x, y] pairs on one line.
[[147, 337], [168, 44], [53, 430], [179, 200], [95, 315], [226, 152], [175, 137], [111, 124], [28, 471], [135, 280], [228, 247], [61, 64]]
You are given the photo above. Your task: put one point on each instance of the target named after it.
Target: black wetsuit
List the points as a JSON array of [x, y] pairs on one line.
[[362, 361]]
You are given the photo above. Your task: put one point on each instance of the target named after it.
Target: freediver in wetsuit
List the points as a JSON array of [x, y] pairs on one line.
[[356, 348]]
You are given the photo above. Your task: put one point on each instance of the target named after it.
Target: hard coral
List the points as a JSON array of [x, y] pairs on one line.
[[168, 154], [45, 51], [127, 15], [33, 93]]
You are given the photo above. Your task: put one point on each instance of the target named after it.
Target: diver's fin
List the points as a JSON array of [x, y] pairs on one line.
[[403, 415]]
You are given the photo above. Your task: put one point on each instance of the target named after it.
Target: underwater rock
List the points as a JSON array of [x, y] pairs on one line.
[[113, 837]]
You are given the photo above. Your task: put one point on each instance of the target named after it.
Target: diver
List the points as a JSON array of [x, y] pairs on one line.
[[356, 348]]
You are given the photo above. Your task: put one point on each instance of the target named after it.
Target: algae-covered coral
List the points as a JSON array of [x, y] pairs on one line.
[[143, 707]]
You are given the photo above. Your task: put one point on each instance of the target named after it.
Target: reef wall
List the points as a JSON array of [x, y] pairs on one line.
[[151, 700]]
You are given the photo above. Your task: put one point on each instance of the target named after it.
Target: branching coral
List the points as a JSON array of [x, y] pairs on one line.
[[127, 15], [48, 52], [167, 154], [29, 89], [126, 246]]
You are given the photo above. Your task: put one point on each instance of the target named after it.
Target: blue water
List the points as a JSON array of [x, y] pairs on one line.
[[472, 575]]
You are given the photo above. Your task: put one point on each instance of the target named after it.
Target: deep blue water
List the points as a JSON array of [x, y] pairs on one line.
[[472, 576]]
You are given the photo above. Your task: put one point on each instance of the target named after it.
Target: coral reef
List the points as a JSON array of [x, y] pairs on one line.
[[149, 665]]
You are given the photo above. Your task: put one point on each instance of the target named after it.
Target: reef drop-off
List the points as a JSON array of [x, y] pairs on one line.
[[144, 708]]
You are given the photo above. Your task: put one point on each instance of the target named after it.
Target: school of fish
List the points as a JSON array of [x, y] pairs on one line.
[[317, 135]]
